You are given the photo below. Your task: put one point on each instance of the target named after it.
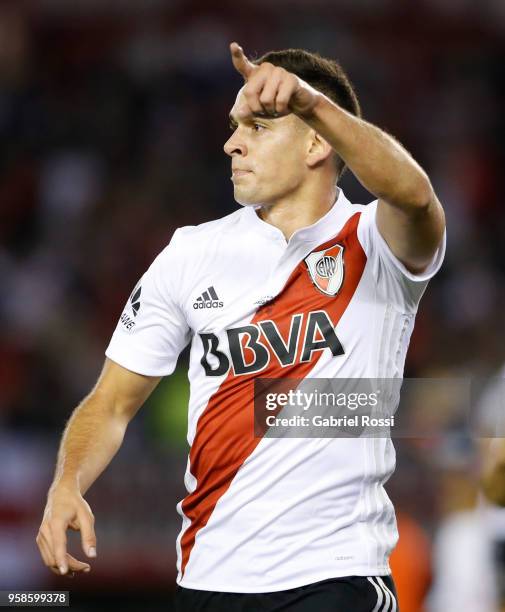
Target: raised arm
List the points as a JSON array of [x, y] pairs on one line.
[[409, 215], [91, 438]]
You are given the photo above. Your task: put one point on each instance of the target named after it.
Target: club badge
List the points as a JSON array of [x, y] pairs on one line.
[[326, 269]]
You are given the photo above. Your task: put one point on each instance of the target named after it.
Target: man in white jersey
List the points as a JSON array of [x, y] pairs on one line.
[[298, 283]]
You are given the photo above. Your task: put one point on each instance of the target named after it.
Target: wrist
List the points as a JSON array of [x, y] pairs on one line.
[[67, 484]]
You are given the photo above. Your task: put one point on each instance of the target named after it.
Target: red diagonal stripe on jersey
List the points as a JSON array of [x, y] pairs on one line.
[[224, 437]]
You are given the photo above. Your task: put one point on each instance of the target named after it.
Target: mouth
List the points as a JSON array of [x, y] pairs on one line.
[[239, 173]]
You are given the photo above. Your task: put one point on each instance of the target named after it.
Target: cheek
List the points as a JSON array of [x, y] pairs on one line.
[[281, 156]]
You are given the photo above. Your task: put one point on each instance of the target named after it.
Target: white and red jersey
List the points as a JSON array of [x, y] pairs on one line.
[[267, 514]]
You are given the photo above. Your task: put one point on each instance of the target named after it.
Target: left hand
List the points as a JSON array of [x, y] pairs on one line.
[[271, 90]]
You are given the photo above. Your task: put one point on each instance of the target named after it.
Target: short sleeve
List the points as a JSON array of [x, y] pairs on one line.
[[402, 287], [152, 329]]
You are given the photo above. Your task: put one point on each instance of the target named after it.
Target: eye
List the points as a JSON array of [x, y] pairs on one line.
[[257, 125], [233, 127]]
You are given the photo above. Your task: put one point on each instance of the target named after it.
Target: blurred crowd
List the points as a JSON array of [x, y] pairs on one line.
[[112, 121]]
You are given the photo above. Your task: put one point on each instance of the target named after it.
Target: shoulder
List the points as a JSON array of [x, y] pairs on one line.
[[367, 211], [366, 215], [351, 207], [190, 239], [209, 229]]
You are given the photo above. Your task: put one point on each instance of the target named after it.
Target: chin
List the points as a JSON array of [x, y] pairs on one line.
[[245, 200], [251, 199]]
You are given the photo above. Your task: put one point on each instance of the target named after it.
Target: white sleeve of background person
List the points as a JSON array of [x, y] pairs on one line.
[[403, 288], [149, 338]]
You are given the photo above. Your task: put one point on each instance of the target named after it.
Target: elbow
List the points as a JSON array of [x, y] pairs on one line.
[[421, 195]]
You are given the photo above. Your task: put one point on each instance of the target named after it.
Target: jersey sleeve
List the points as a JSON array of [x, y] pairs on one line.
[[152, 329], [400, 286]]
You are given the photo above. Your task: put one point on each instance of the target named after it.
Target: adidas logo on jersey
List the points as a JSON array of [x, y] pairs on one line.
[[135, 300], [208, 299], [134, 304]]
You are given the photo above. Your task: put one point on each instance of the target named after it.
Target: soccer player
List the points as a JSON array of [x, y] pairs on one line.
[[297, 283]]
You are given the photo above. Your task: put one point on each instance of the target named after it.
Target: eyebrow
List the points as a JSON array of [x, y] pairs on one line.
[[255, 116]]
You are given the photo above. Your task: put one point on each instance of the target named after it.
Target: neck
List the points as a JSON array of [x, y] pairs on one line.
[[298, 210]]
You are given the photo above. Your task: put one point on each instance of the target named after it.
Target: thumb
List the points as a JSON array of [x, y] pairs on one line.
[[240, 61]]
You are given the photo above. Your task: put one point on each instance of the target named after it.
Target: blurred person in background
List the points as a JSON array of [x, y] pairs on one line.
[[469, 546], [491, 447], [464, 568], [250, 537]]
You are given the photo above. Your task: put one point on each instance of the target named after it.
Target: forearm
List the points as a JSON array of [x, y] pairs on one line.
[[91, 438], [379, 162]]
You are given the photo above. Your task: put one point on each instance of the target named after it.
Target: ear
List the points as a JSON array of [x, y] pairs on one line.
[[318, 150]]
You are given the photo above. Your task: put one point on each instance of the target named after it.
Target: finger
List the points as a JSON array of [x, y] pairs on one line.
[[269, 93], [240, 61], [286, 90], [69, 573], [253, 90], [46, 543], [59, 540], [88, 537], [45, 550], [74, 566]]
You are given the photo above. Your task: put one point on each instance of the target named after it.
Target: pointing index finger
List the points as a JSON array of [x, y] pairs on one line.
[[240, 61]]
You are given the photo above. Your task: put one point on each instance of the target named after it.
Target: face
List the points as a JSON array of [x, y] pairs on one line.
[[268, 156]]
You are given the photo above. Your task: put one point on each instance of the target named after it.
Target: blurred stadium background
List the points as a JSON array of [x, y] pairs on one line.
[[112, 120]]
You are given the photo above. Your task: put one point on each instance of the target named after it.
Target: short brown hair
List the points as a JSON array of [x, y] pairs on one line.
[[325, 75]]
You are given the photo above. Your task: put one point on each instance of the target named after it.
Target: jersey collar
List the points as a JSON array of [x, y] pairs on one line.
[[328, 222]]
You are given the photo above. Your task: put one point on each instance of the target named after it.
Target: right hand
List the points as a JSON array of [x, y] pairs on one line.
[[271, 90], [66, 509]]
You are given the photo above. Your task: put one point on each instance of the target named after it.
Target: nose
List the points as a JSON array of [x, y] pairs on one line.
[[235, 145]]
